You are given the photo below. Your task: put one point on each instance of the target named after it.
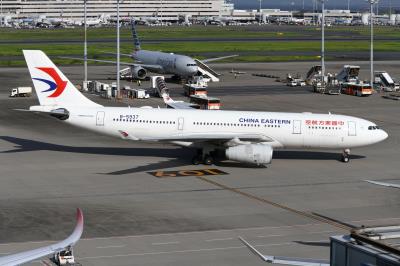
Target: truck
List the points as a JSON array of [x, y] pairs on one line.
[[141, 94], [206, 103], [64, 257], [21, 92], [385, 82], [194, 89]]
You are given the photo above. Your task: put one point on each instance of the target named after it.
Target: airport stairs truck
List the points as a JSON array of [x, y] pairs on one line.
[[207, 71], [385, 81]]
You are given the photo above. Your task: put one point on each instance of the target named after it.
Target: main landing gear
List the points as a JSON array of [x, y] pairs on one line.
[[203, 157], [346, 156]]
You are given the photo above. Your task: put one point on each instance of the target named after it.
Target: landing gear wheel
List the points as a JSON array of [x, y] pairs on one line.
[[196, 160], [208, 160], [346, 156]]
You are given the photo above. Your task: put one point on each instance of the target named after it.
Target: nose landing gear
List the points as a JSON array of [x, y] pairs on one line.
[[346, 156]]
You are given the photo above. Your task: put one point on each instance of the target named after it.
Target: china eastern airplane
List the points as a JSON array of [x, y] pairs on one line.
[[160, 62], [248, 137], [31, 255]]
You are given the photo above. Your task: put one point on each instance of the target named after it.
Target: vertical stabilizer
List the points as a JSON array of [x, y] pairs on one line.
[[136, 41], [52, 87]]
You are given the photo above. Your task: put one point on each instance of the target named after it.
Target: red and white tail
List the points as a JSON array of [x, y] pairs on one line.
[[52, 87]]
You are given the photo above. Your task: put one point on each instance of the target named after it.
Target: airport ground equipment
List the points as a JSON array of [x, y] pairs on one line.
[[205, 102], [356, 89], [362, 246], [159, 86], [141, 94], [294, 81], [194, 89], [312, 73], [64, 257], [385, 82], [349, 73], [21, 92], [207, 71]]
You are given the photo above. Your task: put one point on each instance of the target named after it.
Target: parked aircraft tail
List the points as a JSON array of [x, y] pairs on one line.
[[136, 41], [52, 87]]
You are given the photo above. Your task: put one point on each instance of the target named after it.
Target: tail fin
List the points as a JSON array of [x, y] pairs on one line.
[[52, 87], [136, 41]]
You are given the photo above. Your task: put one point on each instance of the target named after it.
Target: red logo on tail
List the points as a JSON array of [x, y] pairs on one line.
[[60, 84]]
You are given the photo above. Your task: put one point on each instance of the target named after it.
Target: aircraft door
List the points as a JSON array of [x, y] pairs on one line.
[[181, 122], [296, 126], [352, 128], [100, 119]]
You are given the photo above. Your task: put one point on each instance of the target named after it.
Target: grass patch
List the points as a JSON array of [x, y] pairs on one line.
[[107, 33]]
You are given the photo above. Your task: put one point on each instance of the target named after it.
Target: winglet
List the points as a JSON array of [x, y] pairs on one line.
[[31, 255], [76, 234], [255, 251]]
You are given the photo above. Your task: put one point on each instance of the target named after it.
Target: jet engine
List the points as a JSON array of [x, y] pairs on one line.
[[138, 72], [250, 153]]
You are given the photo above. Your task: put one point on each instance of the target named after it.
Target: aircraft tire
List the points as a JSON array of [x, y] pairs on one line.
[[196, 160], [208, 160]]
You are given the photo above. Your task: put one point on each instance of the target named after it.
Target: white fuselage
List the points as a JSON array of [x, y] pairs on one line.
[[281, 130]]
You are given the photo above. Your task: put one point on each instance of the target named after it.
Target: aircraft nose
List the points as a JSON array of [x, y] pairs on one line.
[[384, 135]]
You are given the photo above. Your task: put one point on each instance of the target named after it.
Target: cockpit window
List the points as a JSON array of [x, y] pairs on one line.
[[191, 65], [373, 128]]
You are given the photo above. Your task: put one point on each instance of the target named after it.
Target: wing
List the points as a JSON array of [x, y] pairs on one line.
[[27, 256], [236, 138], [285, 260], [218, 58], [149, 67], [384, 184]]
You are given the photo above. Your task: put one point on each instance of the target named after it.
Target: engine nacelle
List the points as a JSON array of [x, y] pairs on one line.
[[138, 72], [250, 153]]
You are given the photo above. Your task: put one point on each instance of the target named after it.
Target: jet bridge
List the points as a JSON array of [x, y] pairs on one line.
[[207, 71]]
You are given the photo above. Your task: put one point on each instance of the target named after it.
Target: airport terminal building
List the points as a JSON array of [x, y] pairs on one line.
[[73, 9]]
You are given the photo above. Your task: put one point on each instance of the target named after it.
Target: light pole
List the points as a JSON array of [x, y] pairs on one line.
[[85, 48], [372, 2], [118, 52], [1, 11], [348, 4], [260, 14], [323, 42]]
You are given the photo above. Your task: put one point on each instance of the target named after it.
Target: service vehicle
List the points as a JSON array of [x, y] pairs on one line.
[[141, 94], [21, 92], [64, 257], [385, 82], [357, 89], [206, 103], [193, 89]]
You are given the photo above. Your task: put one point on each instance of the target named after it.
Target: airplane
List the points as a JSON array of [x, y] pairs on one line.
[[161, 62], [285, 260], [244, 136], [31, 255], [384, 184]]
